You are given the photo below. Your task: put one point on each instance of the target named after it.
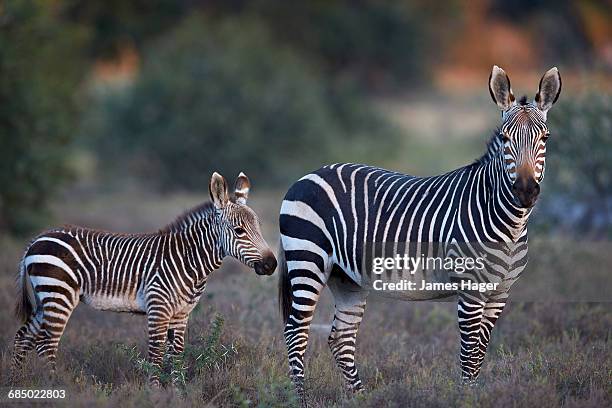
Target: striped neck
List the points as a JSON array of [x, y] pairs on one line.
[[197, 234], [499, 189]]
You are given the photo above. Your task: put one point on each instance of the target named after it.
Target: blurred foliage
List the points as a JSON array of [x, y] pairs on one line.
[[115, 23], [222, 96], [40, 69], [378, 43], [374, 42], [579, 171], [557, 24]]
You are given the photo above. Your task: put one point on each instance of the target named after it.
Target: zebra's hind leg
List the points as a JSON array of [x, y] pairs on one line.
[[350, 302], [55, 315], [307, 282], [25, 341], [469, 313], [492, 310]]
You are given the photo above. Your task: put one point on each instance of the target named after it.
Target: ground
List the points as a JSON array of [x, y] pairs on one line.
[[542, 354]]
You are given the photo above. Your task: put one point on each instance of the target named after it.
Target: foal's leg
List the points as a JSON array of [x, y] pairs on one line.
[[25, 340], [157, 324], [176, 334], [56, 312], [350, 303]]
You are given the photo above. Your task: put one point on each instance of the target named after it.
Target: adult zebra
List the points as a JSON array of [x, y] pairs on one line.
[[327, 217], [161, 275]]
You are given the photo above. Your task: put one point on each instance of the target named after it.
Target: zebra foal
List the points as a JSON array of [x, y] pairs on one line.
[[329, 216], [161, 274]]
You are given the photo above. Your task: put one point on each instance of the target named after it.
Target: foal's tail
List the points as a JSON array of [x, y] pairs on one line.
[[284, 285], [26, 301]]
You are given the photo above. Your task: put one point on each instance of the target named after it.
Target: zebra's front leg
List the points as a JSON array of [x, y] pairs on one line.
[[157, 322], [469, 314], [492, 310], [350, 302], [176, 334]]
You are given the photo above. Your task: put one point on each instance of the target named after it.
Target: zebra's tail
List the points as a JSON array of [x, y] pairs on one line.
[[26, 301], [284, 285]]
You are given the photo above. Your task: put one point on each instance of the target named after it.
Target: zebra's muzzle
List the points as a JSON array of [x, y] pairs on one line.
[[266, 266]]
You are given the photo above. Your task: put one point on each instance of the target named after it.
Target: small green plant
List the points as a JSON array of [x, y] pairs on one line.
[[206, 353], [212, 353]]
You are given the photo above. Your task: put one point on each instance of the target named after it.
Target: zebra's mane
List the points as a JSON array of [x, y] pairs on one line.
[[189, 217], [495, 142], [493, 145]]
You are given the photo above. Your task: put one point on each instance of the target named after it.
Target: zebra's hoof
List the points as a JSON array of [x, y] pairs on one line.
[[155, 384], [359, 389], [469, 382]]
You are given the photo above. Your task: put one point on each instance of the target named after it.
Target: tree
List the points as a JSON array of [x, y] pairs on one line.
[[40, 68]]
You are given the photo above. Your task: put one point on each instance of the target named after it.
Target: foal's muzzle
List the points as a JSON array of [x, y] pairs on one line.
[[266, 266], [526, 191]]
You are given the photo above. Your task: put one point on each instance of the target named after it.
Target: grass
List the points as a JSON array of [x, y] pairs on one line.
[[543, 354]]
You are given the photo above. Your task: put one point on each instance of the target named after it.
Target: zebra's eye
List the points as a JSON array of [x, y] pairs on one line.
[[545, 137], [239, 230]]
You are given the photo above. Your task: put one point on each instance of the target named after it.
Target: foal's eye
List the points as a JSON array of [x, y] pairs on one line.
[[239, 230], [545, 137]]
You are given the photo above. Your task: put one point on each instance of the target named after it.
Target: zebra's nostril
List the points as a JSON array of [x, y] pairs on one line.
[[271, 264], [266, 266]]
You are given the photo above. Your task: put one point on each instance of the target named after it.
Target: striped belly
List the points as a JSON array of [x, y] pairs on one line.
[[131, 304]]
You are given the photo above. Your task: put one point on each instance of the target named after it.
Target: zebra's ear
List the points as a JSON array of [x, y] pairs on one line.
[[499, 88], [241, 188], [549, 89], [218, 190]]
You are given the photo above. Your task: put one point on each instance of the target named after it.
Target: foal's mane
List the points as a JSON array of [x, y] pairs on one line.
[[189, 217]]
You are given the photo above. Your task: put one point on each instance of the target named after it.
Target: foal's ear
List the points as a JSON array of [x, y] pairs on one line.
[[241, 188], [218, 190], [499, 88], [549, 89]]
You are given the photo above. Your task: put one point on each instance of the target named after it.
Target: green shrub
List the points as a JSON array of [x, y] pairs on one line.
[[201, 357], [579, 175], [39, 71], [222, 96], [378, 43]]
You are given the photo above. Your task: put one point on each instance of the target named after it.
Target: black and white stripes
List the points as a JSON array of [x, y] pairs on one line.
[[161, 275], [329, 215]]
